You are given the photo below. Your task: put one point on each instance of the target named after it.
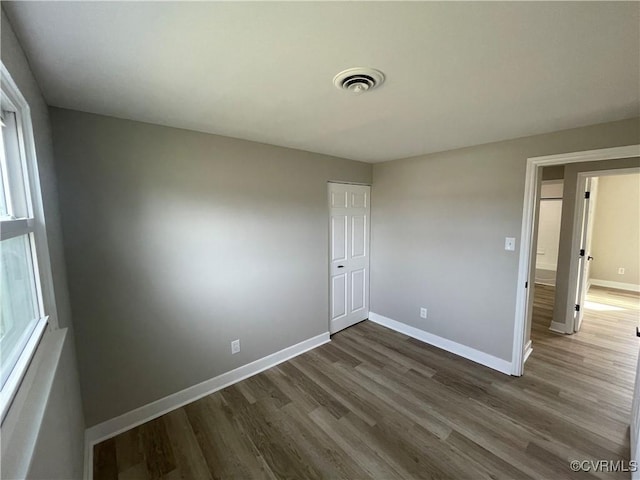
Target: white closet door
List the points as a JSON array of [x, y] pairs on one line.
[[349, 254]]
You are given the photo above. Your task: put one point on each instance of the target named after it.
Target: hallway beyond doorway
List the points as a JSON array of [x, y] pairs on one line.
[[593, 369]]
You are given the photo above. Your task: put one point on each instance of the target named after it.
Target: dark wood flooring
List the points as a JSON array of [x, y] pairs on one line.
[[377, 404]]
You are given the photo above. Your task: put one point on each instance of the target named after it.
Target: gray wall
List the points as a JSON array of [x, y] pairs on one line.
[[179, 242], [616, 229], [568, 260], [438, 228], [58, 448], [554, 172], [59, 451]]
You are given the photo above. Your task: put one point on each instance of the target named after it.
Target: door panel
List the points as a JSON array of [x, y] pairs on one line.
[[339, 199], [359, 236], [349, 255], [339, 290], [338, 238], [359, 199], [358, 289]]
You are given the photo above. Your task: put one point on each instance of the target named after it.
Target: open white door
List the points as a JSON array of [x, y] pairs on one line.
[[585, 250], [635, 424], [593, 201], [349, 255]]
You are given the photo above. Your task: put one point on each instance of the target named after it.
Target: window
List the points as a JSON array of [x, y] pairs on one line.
[[23, 250]]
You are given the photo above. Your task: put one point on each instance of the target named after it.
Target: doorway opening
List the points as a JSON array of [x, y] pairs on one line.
[[549, 225], [564, 308], [583, 322], [607, 288]]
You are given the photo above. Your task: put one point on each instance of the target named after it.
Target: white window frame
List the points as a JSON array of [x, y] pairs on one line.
[[35, 227]]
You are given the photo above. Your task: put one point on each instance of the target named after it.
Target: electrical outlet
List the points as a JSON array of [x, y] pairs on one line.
[[235, 347], [423, 312], [621, 271]]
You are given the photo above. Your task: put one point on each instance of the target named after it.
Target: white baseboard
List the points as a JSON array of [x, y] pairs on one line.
[[499, 364], [126, 421], [558, 327], [528, 350], [631, 287]]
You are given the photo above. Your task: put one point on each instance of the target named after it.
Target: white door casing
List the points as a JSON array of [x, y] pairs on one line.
[[635, 424], [533, 170], [348, 254]]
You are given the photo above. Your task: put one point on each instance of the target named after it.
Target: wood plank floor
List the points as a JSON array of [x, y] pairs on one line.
[[377, 404]]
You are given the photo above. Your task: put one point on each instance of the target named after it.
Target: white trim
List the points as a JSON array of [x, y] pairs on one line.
[[10, 388], [522, 293], [528, 350], [129, 420], [42, 267], [614, 172], [634, 424], [344, 182], [528, 208], [36, 229], [14, 228], [631, 287], [22, 425], [627, 151], [499, 364]]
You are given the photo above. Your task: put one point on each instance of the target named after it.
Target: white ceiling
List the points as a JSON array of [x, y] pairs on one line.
[[458, 74]]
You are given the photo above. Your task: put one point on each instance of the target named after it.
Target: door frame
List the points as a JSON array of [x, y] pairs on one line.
[[328, 254], [583, 178], [635, 424], [532, 175]]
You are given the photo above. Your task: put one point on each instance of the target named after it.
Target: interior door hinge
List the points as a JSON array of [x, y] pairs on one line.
[[577, 307], [587, 194], [526, 284], [582, 252]]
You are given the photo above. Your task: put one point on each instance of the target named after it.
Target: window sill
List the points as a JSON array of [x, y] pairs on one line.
[[14, 380], [23, 420]]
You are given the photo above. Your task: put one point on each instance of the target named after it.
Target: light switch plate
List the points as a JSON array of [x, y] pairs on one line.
[[510, 244]]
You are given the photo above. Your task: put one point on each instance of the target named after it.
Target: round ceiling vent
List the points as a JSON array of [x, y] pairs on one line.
[[358, 80]]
